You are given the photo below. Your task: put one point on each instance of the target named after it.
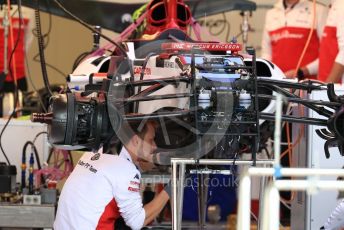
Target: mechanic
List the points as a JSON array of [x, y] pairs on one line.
[[103, 187], [287, 28], [331, 59], [15, 77], [336, 219]]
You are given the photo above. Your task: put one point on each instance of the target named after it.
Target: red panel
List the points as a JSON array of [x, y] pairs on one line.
[[175, 46]]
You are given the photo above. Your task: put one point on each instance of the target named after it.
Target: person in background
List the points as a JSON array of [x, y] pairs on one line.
[[23, 30], [336, 219], [331, 59], [103, 188], [287, 28]]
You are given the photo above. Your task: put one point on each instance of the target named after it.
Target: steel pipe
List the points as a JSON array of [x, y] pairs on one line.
[[295, 172], [219, 161]]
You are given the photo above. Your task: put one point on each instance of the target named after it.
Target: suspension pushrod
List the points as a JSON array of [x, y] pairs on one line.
[[300, 100], [302, 120]]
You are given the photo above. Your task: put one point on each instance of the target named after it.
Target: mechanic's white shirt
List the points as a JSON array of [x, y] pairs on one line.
[[101, 188], [286, 32], [332, 42], [336, 219]]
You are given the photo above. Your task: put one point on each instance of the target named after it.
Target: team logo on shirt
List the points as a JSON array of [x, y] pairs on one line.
[[137, 176], [134, 186], [131, 189], [285, 34], [135, 183], [95, 157]]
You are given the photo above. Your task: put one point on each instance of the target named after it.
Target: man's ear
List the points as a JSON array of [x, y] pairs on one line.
[[135, 140]]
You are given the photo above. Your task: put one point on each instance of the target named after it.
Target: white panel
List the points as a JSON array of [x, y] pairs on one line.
[[16, 135], [27, 216], [324, 202], [311, 212]]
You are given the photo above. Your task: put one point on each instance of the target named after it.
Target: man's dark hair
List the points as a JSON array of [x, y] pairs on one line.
[[127, 131]]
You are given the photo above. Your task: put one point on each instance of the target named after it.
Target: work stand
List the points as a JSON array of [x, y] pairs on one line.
[[178, 181]]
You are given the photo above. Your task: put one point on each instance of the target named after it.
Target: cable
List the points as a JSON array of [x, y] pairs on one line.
[[16, 94], [33, 85], [290, 156], [123, 51], [38, 162], [233, 171], [308, 39], [286, 205], [35, 58], [224, 23], [80, 58], [193, 13], [143, 69], [254, 216], [27, 62], [46, 40], [50, 22], [14, 73], [267, 153], [296, 142], [40, 41], [90, 28], [290, 148], [34, 149], [228, 28], [37, 135], [52, 67]]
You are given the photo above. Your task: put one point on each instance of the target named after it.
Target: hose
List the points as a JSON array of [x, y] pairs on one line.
[[40, 40]]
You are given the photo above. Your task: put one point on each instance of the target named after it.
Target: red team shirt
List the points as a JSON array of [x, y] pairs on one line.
[[332, 42], [286, 32], [20, 50], [101, 188]]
